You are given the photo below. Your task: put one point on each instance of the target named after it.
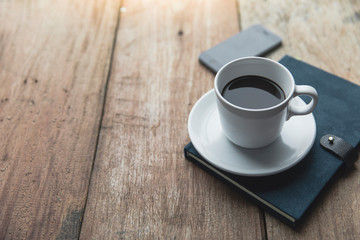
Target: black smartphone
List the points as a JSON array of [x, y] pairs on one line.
[[254, 41]]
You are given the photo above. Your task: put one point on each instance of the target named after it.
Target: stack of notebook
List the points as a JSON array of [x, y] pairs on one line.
[[289, 194]]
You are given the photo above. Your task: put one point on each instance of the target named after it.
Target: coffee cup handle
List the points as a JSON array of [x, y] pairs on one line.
[[294, 109]]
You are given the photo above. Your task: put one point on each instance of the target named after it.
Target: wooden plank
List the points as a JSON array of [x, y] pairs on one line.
[[54, 58], [327, 35], [142, 187]]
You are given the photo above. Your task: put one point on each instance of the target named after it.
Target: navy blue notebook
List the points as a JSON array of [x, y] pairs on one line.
[[288, 195]]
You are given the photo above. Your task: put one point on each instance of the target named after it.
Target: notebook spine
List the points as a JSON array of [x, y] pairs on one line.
[[203, 165]]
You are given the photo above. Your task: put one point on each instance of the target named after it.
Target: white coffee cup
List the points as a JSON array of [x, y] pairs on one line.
[[255, 128]]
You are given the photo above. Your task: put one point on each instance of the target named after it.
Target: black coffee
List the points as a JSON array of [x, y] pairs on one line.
[[253, 92]]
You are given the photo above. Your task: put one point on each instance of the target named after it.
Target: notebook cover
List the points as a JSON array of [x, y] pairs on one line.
[[288, 195]]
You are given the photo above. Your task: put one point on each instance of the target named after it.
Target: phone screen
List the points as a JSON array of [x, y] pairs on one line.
[[254, 41]]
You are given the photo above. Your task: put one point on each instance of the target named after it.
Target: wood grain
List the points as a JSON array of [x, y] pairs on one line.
[[54, 58], [142, 187], [327, 35]]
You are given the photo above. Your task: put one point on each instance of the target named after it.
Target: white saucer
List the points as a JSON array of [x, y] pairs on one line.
[[295, 141]]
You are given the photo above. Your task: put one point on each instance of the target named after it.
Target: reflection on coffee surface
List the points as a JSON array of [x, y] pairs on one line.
[[253, 92]]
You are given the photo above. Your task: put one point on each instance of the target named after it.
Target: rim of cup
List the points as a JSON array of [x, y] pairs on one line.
[[288, 94]]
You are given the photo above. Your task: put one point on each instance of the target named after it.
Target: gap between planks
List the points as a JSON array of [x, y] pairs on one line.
[[103, 108]]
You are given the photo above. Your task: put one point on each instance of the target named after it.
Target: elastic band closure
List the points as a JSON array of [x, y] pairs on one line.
[[340, 148]]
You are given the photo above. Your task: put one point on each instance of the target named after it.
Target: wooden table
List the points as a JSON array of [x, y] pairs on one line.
[[94, 101]]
